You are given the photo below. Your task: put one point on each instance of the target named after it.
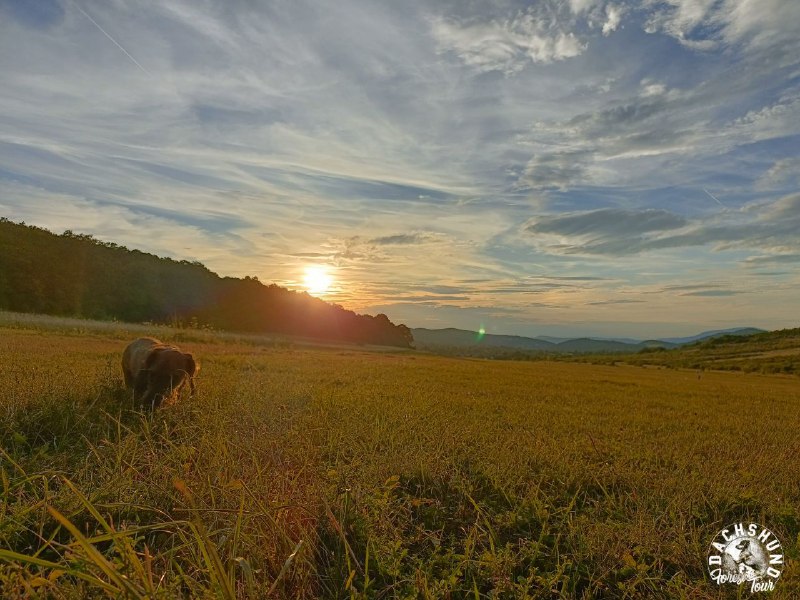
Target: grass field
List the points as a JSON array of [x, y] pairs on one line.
[[301, 472]]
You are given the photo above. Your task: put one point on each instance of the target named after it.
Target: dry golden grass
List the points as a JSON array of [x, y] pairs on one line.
[[340, 473]]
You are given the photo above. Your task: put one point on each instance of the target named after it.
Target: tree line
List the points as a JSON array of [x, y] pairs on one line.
[[77, 275]]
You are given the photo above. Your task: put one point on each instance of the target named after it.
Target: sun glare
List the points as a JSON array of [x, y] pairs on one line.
[[317, 280]]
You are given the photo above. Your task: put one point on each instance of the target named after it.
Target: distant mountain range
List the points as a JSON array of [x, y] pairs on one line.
[[438, 339], [712, 334]]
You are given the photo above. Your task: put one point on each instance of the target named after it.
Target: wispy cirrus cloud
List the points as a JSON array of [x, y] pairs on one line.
[[705, 24], [615, 301], [773, 259], [605, 223], [401, 239], [714, 293], [616, 232]]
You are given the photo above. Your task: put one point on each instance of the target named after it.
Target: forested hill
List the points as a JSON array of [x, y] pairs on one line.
[[77, 275]]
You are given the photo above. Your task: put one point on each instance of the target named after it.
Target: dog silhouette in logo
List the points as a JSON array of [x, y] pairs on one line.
[[746, 558]]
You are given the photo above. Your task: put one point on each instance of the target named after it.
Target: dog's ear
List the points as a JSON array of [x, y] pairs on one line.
[[191, 366], [191, 369]]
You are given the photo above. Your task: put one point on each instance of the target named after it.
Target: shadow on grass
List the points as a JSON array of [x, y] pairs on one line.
[[47, 442], [59, 424], [453, 537]]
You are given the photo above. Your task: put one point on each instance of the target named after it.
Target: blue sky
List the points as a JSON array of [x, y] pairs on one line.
[[562, 167]]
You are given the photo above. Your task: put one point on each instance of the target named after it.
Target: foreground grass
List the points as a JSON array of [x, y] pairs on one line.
[[306, 473]]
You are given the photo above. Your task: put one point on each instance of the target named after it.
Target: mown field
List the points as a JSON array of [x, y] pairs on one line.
[[302, 472]]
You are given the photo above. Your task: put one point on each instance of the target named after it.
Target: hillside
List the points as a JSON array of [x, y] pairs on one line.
[[470, 343], [432, 338], [77, 275], [712, 334], [765, 352]]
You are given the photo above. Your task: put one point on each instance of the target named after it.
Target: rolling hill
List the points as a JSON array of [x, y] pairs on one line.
[[763, 352], [428, 338], [461, 341]]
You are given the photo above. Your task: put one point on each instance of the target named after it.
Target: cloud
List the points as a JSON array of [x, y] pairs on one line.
[[582, 6], [679, 18], [431, 300], [773, 259], [773, 120], [311, 255], [393, 248], [612, 302], [441, 289], [705, 24], [550, 31], [575, 278], [713, 293], [759, 22], [630, 117], [782, 174], [691, 287], [607, 222], [709, 290], [614, 232], [652, 123], [633, 142], [402, 239], [214, 236], [556, 171], [614, 14], [540, 34]]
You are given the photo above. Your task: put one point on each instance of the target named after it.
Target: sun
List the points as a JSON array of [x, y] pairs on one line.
[[317, 280]]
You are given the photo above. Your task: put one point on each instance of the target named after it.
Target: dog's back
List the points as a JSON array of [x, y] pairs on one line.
[[134, 357]]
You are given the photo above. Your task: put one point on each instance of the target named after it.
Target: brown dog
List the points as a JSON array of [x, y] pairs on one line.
[[157, 372]]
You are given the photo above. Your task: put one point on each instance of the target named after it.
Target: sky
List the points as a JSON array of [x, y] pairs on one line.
[[558, 167]]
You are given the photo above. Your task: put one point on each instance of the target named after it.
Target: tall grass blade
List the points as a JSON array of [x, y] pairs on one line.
[[96, 558]]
